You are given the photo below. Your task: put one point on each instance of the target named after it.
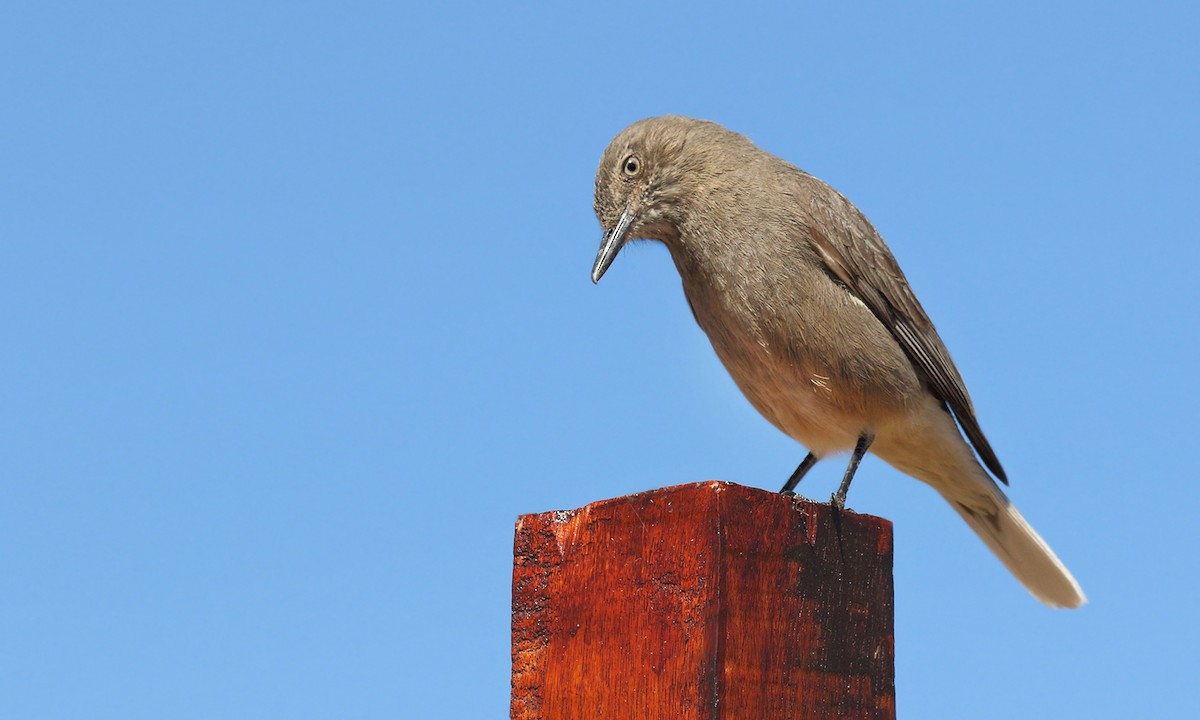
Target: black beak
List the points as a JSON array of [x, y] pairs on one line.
[[612, 243]]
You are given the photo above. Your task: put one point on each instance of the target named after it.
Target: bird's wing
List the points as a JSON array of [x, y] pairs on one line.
[[854, 252]]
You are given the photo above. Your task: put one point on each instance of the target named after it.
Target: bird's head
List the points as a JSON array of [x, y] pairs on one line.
[[646, 180]]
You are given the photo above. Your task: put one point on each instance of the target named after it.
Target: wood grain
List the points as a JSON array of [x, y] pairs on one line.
[[709, 600]]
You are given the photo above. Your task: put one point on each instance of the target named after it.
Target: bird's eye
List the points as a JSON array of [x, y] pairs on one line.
[[632, 166]]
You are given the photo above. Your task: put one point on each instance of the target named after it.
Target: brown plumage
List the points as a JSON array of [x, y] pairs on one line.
[[812, 316]]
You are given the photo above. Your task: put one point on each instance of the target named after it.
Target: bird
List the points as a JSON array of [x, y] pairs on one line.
[[814, 320]]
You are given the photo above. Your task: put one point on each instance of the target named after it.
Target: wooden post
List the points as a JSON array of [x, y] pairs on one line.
[[708, 601]]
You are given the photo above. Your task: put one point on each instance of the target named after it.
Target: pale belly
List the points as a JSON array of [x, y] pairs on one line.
[[823, 392], [806, 403]]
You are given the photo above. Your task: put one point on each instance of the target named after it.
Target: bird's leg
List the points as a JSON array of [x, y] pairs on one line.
[[805, 465], [860, 449]]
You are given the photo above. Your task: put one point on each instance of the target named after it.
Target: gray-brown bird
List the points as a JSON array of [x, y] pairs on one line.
[[812, 316]]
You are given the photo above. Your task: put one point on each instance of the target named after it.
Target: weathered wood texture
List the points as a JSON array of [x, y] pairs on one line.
[[711, 601]]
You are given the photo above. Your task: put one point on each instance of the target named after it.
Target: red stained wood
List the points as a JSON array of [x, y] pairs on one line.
[[706, 601]]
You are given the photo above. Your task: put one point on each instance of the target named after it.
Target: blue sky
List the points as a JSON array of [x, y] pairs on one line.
[[297, 321]]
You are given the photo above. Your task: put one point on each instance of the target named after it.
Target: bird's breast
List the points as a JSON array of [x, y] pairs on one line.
[[801, 358]]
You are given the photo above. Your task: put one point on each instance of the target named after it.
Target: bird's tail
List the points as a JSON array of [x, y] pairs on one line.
[[1027, 556]]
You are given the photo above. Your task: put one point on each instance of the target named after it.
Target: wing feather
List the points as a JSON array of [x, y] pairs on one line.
[[856, 254]]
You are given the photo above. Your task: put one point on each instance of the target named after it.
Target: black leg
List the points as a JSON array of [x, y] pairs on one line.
[[860, 449], [805, 465]]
